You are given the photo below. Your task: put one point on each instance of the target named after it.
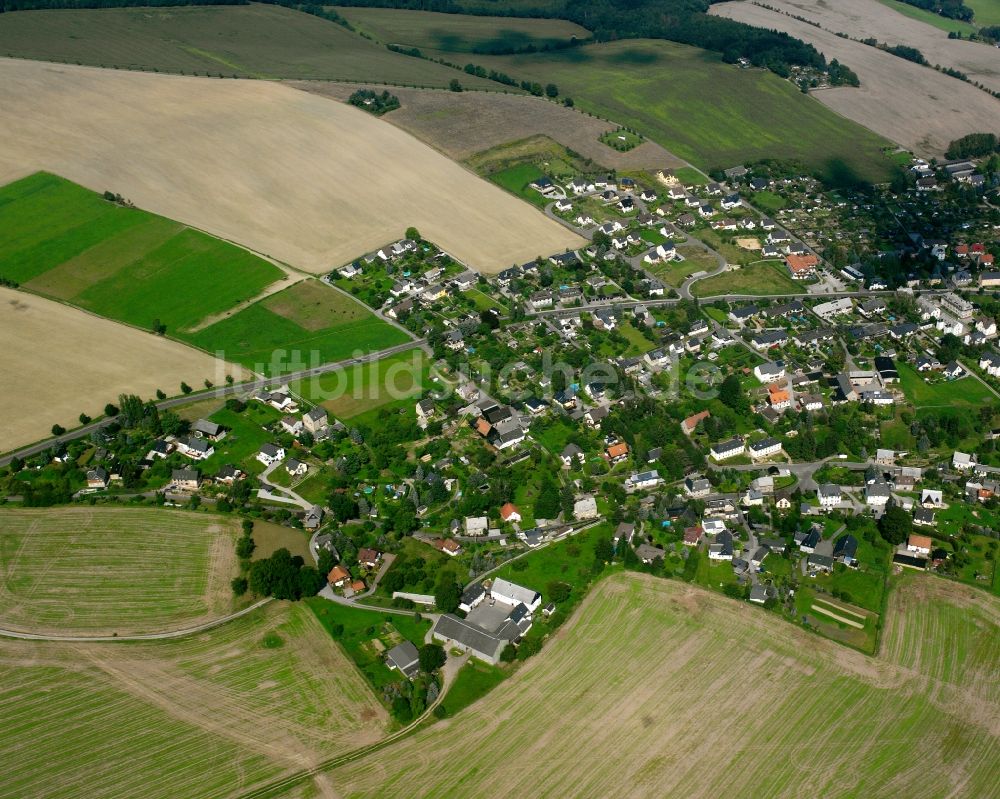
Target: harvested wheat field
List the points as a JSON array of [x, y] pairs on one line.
[[292, 175], [679, 692], [862, 19], [915, 106], [105, 570], [207, 716], [461, 125], [63, 361]]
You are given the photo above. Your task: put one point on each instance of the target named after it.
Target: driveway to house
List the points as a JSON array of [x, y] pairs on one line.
[[161, 636]]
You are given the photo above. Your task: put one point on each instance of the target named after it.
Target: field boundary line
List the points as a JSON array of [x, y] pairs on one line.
[[160, 636]]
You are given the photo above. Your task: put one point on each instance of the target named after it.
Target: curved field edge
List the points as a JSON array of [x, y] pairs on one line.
[[105, 571], [210, 715], [686, 677]]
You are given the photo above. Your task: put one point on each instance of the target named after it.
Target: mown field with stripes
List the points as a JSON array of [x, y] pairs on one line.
[[208, 716], [657, 688], [113, 570]]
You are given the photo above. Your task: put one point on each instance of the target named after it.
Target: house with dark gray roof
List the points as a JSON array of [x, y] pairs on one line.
[[404, 658]]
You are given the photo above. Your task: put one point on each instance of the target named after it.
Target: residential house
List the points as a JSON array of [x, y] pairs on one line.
[[404, 658], [696, 486], [476, 525], [98, 478], [315, 419], [765, 448], [920, 544], [185, 479], [585, 508], [845, 549], [509, 513], [727, 449], [647, 554], [270, 454], [829, 495]]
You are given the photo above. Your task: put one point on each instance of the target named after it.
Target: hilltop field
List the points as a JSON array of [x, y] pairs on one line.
[[246, 41], [916, 106], [101, 571], [719, 699], [296, 177]]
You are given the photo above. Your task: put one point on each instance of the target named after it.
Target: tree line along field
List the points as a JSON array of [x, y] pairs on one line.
[[210, 715], [249, 41], [715, 698], [458, 33], [58, 352], [71, 244], [105, 570]]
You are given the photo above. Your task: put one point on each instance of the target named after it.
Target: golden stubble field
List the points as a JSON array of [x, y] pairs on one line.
[[915, 106], [292, 175], [59, 361], [657, 688]]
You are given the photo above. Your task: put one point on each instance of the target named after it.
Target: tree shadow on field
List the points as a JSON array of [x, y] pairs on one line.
[[838, 174], [449, 42], [638, 58]]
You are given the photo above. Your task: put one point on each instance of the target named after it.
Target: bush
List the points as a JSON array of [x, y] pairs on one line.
[[432, 657], [239, 585]]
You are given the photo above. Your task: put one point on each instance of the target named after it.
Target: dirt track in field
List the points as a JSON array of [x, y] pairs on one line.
[[58, 361], [915, 106], [461, 125], [286, 173], [862, 19]]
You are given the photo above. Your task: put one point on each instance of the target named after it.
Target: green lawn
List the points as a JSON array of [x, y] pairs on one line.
[[459, 33], [250, 41], [303, 326], [516, 180], [966, 391], [764, 277], [355, 629], [348, 393], [985, 12], [710, 113], [945, 24], [475, 679], [67, 242], [768, 201]]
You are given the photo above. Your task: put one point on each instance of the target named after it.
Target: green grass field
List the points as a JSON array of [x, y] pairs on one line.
[[707, 112], [516, 179], [764, 277], [985, 12], [305, 325], [458, 33], [655, 663], [964, 392], [353, 392], [939, 22], [69, 243], [211, 715], [475, 679], [255, 41], [108, 569]]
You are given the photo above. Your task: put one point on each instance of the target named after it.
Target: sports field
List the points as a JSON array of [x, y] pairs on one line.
[[113, 570], [206, 716], [247, 41], [293, 176], [715, 698], [69, 243], [61, 354], [458, 33], [713, 114], [305, 325]]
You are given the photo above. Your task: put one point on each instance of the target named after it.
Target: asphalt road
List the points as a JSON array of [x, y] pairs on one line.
[[220, 391]]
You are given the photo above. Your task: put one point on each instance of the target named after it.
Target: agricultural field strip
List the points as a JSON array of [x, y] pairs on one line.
[[836, 617], [915, 106]]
